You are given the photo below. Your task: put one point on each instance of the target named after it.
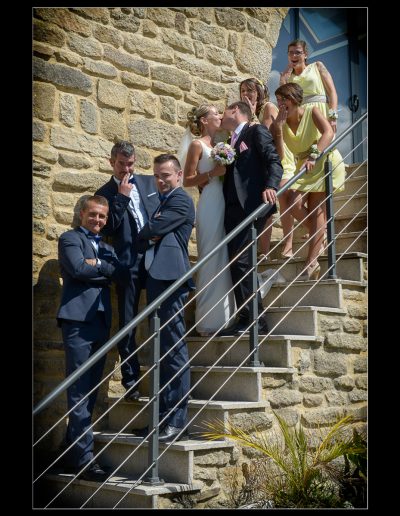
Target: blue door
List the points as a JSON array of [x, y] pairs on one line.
[[337, 37]]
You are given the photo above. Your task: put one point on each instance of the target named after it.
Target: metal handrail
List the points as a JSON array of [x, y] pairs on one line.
[[258, 212]]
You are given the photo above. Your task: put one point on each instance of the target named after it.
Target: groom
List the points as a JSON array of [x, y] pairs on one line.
[[252, 179]]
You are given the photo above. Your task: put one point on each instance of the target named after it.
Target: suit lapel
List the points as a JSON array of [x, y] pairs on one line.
[[86, 241], [242, 136]]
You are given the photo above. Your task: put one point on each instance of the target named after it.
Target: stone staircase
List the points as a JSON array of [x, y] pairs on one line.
[[299, 378]]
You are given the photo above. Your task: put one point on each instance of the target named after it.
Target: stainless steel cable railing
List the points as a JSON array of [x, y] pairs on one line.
[[255, 343]]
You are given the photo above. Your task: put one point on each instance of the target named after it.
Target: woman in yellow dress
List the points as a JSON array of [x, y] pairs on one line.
[[256, 94], [315, 80], [307, 132]]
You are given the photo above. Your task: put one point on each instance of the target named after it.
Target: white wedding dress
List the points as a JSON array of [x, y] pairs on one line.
[[210, 232]]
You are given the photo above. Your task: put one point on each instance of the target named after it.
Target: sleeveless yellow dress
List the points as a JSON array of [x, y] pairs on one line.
[[288, 162], [311, 82], [299, 144]]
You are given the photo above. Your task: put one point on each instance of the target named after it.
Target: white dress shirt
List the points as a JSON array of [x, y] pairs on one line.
[[136, 206]]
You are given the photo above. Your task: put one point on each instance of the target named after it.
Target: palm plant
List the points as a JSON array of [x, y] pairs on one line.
[[303, 475]]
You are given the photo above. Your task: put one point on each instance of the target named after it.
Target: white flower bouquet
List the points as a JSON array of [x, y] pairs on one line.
[[223, 153]]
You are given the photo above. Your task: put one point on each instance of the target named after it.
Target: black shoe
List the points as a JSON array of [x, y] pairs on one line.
[[143, 432], [236, 329], [170, 432], [93, 472], [263, 330], [132, 395]]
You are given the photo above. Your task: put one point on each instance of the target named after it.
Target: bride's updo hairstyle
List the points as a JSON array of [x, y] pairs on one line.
[[194, 116]]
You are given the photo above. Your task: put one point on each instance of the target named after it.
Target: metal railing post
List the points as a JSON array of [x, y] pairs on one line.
[[152, 477], [329, 215], [254, 349]]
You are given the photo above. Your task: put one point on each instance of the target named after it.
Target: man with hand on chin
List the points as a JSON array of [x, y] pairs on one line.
[[165, 238]]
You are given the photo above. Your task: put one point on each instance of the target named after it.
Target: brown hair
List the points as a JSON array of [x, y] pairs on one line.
[[194, 116], [292, 91], [163, 158], [299, 42], [123, 147], [98, 199], [262, 91], [243, 108]]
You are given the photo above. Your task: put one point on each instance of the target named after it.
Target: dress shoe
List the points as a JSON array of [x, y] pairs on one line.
[[143, 432], [132, 395], [238, 328], [170, 432], [93, 472]]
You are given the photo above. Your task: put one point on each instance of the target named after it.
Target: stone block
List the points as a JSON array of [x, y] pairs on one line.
[[39, 131], [180, 23], [219, 56], [215, 458], [161, 16], [85, 46], [64, 199], [312, 400], [78, 182], [360, 364], [41, 169], [357, 310], [171, 76], [107, 34], [99, 68], [181, 43], [42, 247], [126, 23], [99, 14], [155, 135], [345, 341], [329, 364], [208, 34], [166, 89], [144, 103], [344, 383], [135, 81], [322, 416], [330, 324], [256, 27], [88, 117], [270, 382], [125, 61], [62, 75], [254, 57], [68, 110], [112, 94], [354, 295], [314, 384], [284, 398], [38, 228], [199, 49], [231, 19], [64, 19], [68, 58], [45, 152], [55, 231], [168, 109], [357, 395], [336, 398], [149, 49], [197, 67], [40, 198], [113, 125], [42, 50], [248, 421], [48, 33], [143, 159], [362, 382], [44, 96], [65, 139], [74, 161], [150, 29], [289, 415], [209, 90]]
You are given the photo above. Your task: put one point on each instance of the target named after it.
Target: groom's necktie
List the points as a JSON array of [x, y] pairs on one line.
[[234, 138]]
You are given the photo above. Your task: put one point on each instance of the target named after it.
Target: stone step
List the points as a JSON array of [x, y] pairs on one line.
[[275, 351], [349, 204], [175, 463], [355, 184], [199, 411], [346, 223], [358, 169], [302, 320], [76, 494], [327, 292], [244, 385], [349, 266]]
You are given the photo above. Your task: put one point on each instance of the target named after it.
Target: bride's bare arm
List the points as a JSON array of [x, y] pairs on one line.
[[190, 175]]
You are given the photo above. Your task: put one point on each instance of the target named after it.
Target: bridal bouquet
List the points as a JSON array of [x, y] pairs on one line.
[[223, 153]]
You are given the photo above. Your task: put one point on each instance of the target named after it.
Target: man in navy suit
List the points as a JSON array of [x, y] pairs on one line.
[[252, 179], [132, 198], [87, 266], [165, 239]]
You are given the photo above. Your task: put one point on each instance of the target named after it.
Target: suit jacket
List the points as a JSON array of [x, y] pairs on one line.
[[173, 221], [85, 285], [121, 224], [256, 168]]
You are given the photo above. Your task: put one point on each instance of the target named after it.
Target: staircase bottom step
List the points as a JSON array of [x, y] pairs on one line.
[[109, 496]]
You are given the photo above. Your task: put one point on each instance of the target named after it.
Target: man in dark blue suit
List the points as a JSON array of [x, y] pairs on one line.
[[132, 198], [253, 178], [87, 266], [165, 239]]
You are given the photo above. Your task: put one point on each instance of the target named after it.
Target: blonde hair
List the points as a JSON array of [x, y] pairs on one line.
[[194, 116]]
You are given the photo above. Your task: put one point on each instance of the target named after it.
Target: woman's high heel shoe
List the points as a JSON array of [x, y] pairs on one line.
[[311, 273]]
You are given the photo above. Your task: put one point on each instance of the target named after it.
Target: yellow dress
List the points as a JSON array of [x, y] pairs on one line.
[[311, 82], [299, 144], [288, 162]]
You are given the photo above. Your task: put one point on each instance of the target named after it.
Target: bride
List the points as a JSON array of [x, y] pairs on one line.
[[201, 170]]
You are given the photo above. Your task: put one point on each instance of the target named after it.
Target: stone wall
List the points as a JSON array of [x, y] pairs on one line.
[[102, 74]]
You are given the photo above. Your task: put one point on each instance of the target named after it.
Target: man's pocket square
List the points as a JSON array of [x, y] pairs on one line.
[[242, 147]]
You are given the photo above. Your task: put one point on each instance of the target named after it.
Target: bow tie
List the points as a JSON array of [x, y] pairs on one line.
[[94, 237], [162, 197], [132, 180]]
